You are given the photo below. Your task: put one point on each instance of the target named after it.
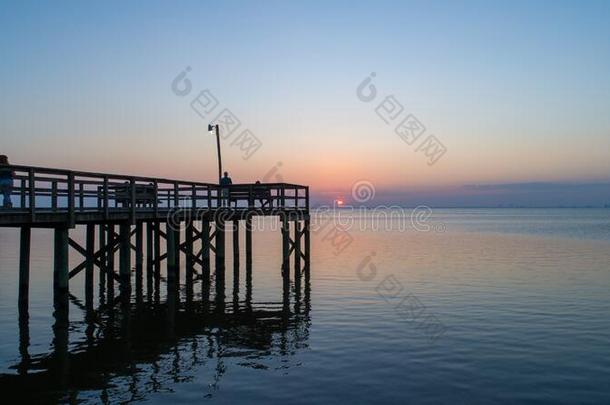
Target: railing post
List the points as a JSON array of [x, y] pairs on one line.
[[22, 194], [176, 195], [71, 213], [54, 195], [132, 216], [81, 197], [32, 194], [156, 202], [106, 204], [193, 197]]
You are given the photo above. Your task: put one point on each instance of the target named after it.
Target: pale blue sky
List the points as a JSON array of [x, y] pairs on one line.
[[516, 91]]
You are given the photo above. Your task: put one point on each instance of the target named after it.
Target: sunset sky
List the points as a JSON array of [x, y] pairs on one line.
[[517, 92]]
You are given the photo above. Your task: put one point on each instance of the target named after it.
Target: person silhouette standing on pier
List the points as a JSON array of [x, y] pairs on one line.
[[225, 182], [6, 181]]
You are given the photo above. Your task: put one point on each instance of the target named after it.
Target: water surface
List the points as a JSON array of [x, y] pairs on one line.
[[516, 306]]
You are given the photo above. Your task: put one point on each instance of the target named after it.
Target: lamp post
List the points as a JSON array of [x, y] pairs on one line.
[[210, 129]]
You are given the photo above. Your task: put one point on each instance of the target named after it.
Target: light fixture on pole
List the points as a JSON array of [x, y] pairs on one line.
[[210, 129]]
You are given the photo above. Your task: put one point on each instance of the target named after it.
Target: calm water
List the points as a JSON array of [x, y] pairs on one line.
[[487, 306]]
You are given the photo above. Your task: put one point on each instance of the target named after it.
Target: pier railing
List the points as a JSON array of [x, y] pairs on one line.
[[40, 190]]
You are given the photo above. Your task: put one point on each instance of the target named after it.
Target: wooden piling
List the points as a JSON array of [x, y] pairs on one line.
[[110, 262], [102, 259], [139, 259], [220, 248], [236, 249], [149, 258], [60, 265], [307, 251], [125, 261], [90, 248], [157, 246], [285, 246], [190, 263], [249, 244], [24, 266], [205, 250], [171, 261], [297, 253]]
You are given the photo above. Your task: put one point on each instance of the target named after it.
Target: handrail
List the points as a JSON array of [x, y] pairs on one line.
[[70, 192]]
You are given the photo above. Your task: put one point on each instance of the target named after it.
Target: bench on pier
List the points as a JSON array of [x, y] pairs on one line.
[[251, 195], [145, 195]]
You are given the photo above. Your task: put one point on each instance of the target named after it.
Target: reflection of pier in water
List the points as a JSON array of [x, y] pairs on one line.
[[132, 350], [128, 217]]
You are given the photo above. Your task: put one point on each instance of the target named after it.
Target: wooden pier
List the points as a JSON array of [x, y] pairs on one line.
[[134, 216]]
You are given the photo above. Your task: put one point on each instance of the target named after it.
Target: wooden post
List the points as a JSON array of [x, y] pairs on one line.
[[149, 258], [71, 202], [236, 249], [139, 259], [60, 300], [32, 194], [22, 194], [171, 261], [102, 278], [205, 256], [220, 247], [81, 196], [125, 261], [249, 244], [297, 254], [90, 248], [60, 267], [54, 195], [157, 237], [177, 238], [190, 263], [110, 263], [106, 202], [24, 266], [307, 251], [285, 247], [132, 190], [220, 256]]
